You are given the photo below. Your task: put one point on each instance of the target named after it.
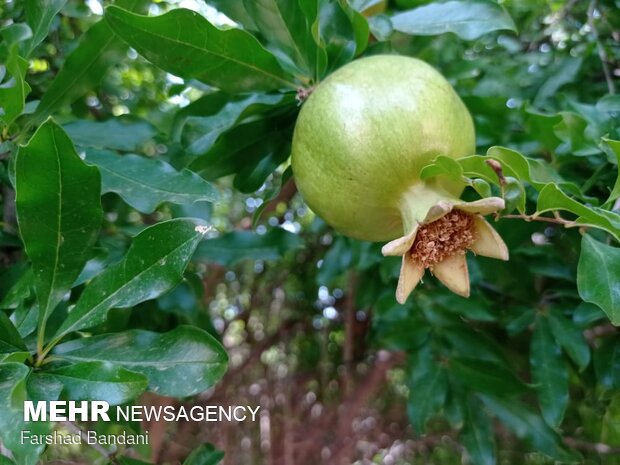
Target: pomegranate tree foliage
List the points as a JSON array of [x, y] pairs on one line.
[[107, 184]]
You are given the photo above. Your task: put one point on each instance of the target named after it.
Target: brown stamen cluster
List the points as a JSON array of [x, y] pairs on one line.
[[447, 236]]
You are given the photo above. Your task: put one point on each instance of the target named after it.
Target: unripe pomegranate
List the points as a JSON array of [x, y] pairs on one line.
[[360, 143]]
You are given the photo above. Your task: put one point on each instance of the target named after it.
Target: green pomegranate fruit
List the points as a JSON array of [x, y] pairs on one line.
[[360, 143], [363, 136]]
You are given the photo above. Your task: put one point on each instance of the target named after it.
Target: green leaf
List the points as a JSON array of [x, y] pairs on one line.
[[614, 147], [39, 16], [126, 133], [597, 276], [86, 66], [428, 387], [13, 92], [549, 373], [285, 26], [250, 150], [336, 33], [10, 340], [478, 436], [15, 33], [144, 183], [179, 363], [528, 426], [95, 381], [607, 363], [205, 454], [235, 246], [467, 19], [185, 44], [571, 339], [534, 171], [12, 394], [514, 195], [552, 198], [199, 124], [6, 461], [235, 10], [153, 265], [487, 377], [58, 211]]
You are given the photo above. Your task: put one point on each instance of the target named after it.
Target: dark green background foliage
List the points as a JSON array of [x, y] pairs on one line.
[[124, 132]]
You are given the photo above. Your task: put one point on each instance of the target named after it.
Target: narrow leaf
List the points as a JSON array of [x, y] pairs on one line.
[[528, 426], [58, 211], [13, 378], [179, 363], [185, 44], [154, 264], [614, 147], [10, 340], [85, 67], [478, 435], [14, 90], [145, 183], [597, 276], [467, 19], [284, 24], [549, 373], [570, 337], [552, 198], [39, 16]]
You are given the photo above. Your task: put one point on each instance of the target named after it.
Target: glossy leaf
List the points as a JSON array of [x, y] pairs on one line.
[[199, 124], [235, 10], [12, 394], [179, 363], [205, 454], [337, 33], [468, 19], [144, 183], [185, 44], [154, 264], [552, 198], [58, 210], [86, 66], [96, 381], [529, 427], [607, 363], [10, 340], [285, 25], [125, 133], [428, 386], [614, 147], [597, 276], [477, 435], [39, 16], [13, 92], [233, 247], [570, 337], [549, 373], [487, 377]]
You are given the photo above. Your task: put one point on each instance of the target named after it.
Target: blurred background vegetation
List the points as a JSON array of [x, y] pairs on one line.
[[343, 374]]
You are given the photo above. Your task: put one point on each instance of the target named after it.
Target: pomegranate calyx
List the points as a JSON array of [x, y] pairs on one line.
[[439, 243]]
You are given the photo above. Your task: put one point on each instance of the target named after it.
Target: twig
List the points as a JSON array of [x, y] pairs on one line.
[[611, 87], [557, 220], [77, 430], [600, 448]]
